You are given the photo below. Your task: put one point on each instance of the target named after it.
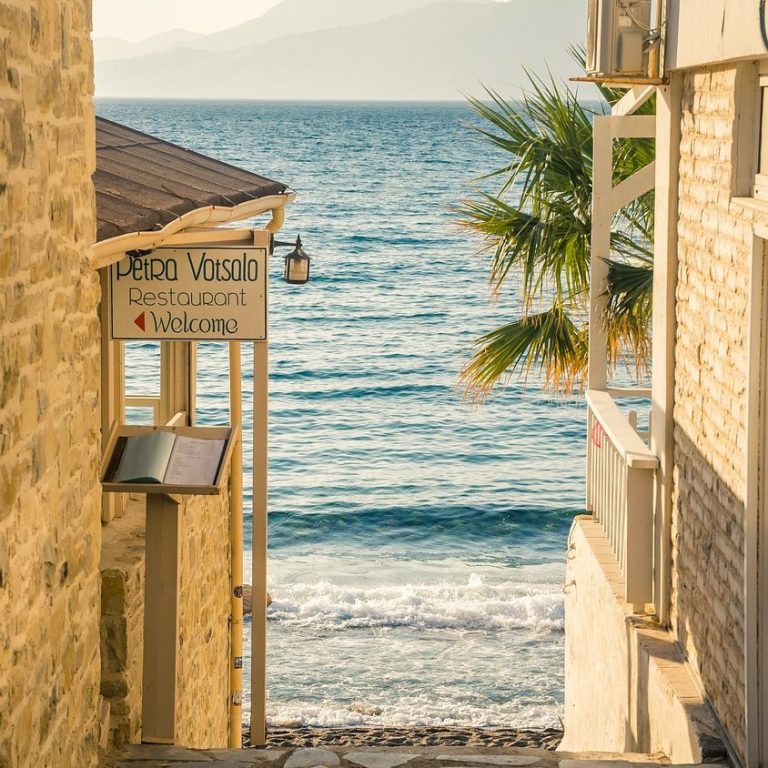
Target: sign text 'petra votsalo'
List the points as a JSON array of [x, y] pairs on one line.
[[193, 294]]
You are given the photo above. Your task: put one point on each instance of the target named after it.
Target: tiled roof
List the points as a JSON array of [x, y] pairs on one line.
[[143, 183]]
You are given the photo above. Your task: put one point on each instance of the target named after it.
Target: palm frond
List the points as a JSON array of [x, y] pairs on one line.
[[537, 228], [549, 340], [548, 249], [628, 311]]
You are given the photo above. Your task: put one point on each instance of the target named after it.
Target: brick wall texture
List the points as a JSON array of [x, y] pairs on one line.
[[711, 370], [49, 379]]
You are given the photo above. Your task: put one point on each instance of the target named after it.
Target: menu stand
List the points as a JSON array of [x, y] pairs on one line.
[[162, 563]]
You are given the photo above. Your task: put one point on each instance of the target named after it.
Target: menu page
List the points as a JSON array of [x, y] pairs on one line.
[[145, 458], [194, 461]]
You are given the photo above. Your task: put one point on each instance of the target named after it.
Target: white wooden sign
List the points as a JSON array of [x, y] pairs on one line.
[[196, 293]]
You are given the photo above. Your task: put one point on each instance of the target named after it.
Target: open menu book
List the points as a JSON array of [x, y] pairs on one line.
[[163, 457]]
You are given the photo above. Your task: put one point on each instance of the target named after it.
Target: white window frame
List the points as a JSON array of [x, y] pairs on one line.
[[760, 186]]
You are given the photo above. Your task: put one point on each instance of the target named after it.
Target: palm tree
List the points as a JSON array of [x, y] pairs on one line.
[[537, 230]]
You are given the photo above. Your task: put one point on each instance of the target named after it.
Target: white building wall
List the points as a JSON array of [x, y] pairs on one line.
[[703, 32]]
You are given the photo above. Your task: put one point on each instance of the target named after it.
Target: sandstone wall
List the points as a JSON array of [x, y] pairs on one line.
[[711, 369], [122, 622], [49, 379]]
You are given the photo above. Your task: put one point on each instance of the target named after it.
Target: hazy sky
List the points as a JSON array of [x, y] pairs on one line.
[[139, 19]]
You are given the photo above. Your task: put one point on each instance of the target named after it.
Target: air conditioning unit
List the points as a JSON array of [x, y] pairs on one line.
[[617, 36]]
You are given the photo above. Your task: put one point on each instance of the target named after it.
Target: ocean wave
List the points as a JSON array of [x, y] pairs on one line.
[[454, 526], [411, 711], [472, 606]]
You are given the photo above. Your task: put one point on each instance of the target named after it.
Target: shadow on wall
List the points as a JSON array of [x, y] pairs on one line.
[[707, 602]]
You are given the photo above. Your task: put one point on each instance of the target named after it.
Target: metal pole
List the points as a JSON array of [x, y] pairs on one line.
[[236, 544]]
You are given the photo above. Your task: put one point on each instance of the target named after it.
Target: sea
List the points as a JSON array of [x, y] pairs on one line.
[[417, 541]]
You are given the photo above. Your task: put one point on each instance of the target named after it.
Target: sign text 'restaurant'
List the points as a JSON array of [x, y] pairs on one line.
[[194, 294]]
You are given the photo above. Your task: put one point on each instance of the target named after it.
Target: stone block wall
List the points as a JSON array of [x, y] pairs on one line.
[[122, 622], [711, 370], [49, 388]]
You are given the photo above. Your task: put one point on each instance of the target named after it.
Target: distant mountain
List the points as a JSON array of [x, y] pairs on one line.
[[436, 51], [110, 48], [293, 17]]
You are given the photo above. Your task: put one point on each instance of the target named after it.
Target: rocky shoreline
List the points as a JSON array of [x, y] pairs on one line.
[[421, 736]]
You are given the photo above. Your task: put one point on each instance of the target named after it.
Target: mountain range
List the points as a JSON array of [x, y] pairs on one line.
[[352, 49]]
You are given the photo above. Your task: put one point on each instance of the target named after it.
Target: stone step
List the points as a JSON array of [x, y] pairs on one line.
[[155, 756]]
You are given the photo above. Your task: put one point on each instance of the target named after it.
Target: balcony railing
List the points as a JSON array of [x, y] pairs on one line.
[[620, 475]]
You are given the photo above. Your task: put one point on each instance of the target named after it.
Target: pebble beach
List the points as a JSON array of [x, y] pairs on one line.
[[415, 736]]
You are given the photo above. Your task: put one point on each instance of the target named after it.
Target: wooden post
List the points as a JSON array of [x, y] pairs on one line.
[[236, 550], [259, 578], [755, 539], [258, 723], [638, 538], [161, 636], [112, 391], [663, 332], [602, 186], [177, 380]]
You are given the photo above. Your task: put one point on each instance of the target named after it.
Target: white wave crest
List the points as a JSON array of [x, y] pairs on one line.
[[472, 605], [415, 711]]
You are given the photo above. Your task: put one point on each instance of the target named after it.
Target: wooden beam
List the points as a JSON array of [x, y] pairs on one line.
[[618, 80], [236, 550], [161, 636], [631, 188], [663, 334], [602, 187], [633, 99], [112, 391], [258, 724], [633, 126]]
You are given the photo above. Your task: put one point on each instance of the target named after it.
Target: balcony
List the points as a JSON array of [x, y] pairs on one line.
[[621, 468], [620, 489]]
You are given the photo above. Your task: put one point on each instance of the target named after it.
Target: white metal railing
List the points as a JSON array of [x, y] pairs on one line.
[[620, 474]]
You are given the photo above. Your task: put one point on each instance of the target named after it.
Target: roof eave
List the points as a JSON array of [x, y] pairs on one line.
[[106, 252]]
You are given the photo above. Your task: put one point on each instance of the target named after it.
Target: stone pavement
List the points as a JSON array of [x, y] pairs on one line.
[[152, 756]]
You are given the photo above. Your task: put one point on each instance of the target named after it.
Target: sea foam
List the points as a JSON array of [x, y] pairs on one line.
[[473, 605]]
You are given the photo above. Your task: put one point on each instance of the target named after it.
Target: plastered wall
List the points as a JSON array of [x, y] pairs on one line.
[[632, 690]]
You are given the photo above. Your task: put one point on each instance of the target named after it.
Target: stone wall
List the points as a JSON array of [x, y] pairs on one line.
[[49, 381], [122, 622], [711, 369]]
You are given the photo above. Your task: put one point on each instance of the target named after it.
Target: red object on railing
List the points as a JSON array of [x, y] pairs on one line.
[[596, 434]]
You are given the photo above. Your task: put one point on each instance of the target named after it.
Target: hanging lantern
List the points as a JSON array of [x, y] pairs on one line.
[[296, 269]]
